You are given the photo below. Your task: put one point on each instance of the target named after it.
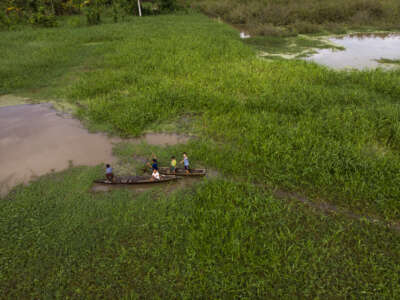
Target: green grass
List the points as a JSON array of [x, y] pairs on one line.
[[331, 136], [217, 240]]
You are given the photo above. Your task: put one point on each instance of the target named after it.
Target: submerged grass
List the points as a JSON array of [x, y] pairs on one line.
[[389, 61], [287, 124], [289, 45]]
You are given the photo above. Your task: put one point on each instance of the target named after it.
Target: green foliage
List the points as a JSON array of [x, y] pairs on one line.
[[92, 10], [168, 5], [219, 240], [333, 136], [42, 18], [298, 126]]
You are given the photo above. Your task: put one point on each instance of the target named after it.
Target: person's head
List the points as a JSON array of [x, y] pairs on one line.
[[154, 160], [107, 165], [172, 157], [184, 154], [154, 170]]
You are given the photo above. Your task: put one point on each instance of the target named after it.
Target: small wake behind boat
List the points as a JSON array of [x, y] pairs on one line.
[[182, 172], [136, 180]]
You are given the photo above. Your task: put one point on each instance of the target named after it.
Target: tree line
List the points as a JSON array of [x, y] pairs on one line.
[[45, 12]]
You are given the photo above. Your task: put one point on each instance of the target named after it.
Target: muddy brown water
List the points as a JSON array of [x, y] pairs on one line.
[[361, 51], [35, 139]]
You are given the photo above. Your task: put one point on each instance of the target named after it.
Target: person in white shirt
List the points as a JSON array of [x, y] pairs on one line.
[[155, 175]]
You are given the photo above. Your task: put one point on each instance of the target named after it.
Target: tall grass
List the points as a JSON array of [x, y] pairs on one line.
[[267, 16]]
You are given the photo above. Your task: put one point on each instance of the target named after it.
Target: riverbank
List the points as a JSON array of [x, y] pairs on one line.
[[290, 125]]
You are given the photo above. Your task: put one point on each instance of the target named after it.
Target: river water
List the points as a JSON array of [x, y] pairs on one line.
[[35, 139]]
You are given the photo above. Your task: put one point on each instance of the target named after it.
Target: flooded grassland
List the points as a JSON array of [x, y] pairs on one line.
[[352, 51], [35, 140]]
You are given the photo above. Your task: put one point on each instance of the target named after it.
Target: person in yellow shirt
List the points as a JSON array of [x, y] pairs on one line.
[[173, 165]]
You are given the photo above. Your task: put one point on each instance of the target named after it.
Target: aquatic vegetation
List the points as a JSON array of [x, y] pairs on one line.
[[219, 239], [287, 123], [388, 61], [283, 124]]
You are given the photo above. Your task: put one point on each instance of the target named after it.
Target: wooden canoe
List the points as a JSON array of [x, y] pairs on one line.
[[182, 172], [136, 180]]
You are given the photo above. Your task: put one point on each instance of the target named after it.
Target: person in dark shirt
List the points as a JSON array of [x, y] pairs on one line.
[[109, 173], [154, 164]]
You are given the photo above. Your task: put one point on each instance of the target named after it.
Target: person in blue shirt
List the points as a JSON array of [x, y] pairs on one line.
[[154, 164], [109, 173], [185, 162]]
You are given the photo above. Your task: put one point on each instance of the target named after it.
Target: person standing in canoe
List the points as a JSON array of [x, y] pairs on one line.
[[172, 168], [109, 173], [185, 162], [154, 164]]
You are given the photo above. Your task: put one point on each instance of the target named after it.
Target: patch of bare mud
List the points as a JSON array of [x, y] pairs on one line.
[[7, 100]]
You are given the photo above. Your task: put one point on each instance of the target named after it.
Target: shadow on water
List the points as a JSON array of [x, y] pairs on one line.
[[361, 51]]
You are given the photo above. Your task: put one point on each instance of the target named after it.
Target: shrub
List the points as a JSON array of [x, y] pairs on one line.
[[149, 8], [238, 15], [92, 12], [168, 5], [41, 18]]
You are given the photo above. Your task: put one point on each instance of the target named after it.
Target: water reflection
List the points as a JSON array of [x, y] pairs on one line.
[[361, 51]]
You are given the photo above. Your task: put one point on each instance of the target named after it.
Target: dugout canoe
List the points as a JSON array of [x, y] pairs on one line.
[[182, 172], [136, 180]]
